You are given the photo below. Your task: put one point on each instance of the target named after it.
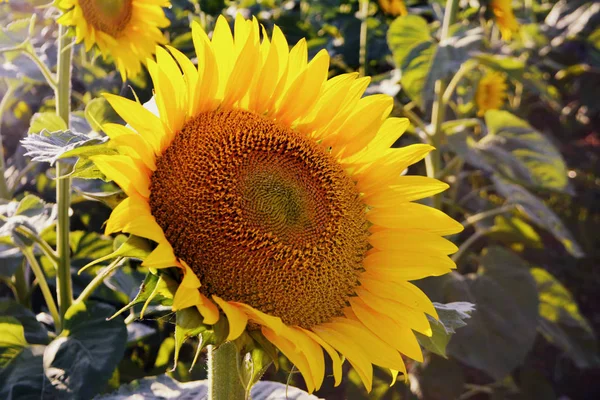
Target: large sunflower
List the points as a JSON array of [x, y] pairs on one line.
[[491, 92], [276, 192], [127, 30], [505, 18]]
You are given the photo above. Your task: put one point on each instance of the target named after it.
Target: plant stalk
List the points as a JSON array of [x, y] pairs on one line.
[[4, 192], [363, 12], [63, 184], [98, 279], [41, 279], [223, 378]]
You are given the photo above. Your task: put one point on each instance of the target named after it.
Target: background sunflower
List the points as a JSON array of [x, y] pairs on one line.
[[125, 30]]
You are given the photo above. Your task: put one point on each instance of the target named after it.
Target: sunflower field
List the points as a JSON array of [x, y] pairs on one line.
[[294, 199]]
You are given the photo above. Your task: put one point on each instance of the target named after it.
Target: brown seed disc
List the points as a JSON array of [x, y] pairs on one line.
[[262, 215], [108, 16]]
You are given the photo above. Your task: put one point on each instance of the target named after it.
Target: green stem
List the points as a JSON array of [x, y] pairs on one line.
[[63, 184], [462, 250], [223, 378], [473, 219], [41, 279], [4, 192], [363, 11], [462, 71], [434, 160], [50, 79], [21, 285], [98, 279]]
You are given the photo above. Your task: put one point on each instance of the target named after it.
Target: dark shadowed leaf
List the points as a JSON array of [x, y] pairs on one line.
[[562, 323], [502, 329], [538, 212], [82, 359]]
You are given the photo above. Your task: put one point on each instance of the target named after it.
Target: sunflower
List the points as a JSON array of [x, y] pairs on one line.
[[393, 7], [127, 30], [491, 92], [505, 18], [276, 193]]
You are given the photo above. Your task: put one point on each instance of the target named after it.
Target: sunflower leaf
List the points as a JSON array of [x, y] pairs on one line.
[[539, 213], [503, 328], [50, 146], [452, 316], [562, 323], [31, 212], [82, 359]]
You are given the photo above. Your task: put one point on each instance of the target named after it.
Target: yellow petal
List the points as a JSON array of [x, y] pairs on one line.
[[350, 348], [236, 317], [143, 121], [130, 175], [398, 336], [296, 357], [401, 292], [404, 189], [415, 216], [312, 351], [335, 357], [402, 265], [259, 317], [223, 47], [403, 315], [387, 135], [161, 257], [190, 279], [185, 297], [410, 239]]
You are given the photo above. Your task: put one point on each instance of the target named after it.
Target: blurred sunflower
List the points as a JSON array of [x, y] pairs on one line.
[[127, 30], [491, 92], [393, 7], [276, 192], [505, 18]]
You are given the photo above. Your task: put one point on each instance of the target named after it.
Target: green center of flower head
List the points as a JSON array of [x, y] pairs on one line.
[[262, 215], [109, 16]]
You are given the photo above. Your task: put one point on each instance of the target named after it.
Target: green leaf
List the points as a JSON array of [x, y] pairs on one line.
[[404, 34], [452, 316], [133, 247], [562, 323], [31, 212], [46, 121], [188, 323], [82, 359], [35, 332], [98, 112], [12, 340], [514, 230], [521, 153], [503, 328], [539, 213], [50, 146], [155, 288], [15, 33]]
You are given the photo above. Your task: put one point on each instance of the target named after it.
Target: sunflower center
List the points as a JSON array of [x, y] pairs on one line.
[[262, 215], [108, 16]]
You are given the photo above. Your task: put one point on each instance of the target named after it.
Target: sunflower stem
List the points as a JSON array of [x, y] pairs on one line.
[[4, 191], [64, 285], [41, 279], [433, 162], [223, 379], [363, 12]]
